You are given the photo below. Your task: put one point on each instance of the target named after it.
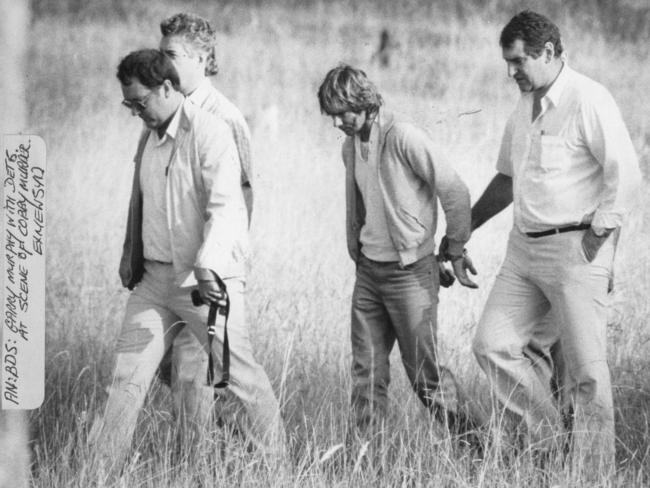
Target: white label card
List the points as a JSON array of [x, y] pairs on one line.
[[23, 272]]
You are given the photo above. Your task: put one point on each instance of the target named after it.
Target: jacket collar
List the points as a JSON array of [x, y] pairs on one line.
[[384, 123], [187, 113], [172, 129]]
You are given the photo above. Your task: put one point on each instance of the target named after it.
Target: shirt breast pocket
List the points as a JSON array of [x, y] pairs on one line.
[[553, 153]]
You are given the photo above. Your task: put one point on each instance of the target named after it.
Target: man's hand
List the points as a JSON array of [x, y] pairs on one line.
[[211, 292], [443, 248], [459, 265], [591, 243], [209, 288], [445, 274]]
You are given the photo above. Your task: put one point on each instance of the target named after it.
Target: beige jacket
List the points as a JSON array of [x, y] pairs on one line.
[[413, 175], [212, 100], [206, 214]]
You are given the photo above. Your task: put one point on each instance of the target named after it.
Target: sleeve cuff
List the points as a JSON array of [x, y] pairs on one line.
[[455, 248], [607, 220], [203, 274]]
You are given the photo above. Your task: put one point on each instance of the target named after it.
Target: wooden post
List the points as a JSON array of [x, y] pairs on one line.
[[14, 24]]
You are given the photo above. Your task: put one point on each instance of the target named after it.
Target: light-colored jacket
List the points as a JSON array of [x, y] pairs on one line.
[[206, 214], [412, 176], [212, 100]]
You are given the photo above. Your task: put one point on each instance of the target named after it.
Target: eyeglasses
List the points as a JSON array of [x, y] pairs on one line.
[[138, 105]]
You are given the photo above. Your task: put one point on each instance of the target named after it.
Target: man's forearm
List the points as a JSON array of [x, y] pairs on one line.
[[203, 274], [496, 197]]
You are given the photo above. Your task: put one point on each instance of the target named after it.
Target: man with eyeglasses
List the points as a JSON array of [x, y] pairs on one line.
[[186, 230]]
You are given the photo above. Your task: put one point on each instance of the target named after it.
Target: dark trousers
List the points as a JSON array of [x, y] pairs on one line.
[[392, 303]]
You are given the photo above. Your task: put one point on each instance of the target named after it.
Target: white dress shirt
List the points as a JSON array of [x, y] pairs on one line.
[[575, 163], [153, 180]]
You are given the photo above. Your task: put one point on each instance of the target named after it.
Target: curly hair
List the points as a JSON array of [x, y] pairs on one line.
[[149, 66], [348, 89], [198, 33], [535, 30]]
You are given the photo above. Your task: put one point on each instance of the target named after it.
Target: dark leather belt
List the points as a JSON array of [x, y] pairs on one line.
[[558, 230]]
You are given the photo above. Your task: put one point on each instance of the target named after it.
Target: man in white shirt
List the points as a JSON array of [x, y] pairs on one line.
[[186, 231], [568, 165]]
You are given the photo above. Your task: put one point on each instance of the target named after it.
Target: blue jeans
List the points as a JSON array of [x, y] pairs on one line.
[[392, 303]]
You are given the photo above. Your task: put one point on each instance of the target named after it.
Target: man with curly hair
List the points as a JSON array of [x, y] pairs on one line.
[[189, 42]]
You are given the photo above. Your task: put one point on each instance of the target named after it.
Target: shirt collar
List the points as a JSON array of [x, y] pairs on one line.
[[201, 92], [555, 92], [172, 128]]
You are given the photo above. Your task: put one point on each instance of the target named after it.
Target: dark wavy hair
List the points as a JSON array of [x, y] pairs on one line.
[[149, 66], [348, 89], [535, 30], [198, 33]]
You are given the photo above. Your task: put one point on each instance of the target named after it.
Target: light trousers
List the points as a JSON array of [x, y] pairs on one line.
[[552, 274], [155, 312]]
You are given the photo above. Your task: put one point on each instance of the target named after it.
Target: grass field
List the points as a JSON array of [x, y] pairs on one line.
[[272, 57]]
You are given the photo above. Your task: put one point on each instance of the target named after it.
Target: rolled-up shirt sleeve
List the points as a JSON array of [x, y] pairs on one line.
[[609, 142], [504, 161]]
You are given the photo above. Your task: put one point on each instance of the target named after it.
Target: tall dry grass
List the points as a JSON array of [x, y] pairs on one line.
[[275, 55]]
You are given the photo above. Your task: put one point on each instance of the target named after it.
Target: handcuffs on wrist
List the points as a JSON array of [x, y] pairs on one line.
[[455, 257]]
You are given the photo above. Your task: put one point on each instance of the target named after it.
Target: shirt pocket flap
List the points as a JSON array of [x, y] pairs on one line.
[[553, 154]]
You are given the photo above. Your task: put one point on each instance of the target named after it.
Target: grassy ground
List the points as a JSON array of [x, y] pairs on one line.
[[273, 57]]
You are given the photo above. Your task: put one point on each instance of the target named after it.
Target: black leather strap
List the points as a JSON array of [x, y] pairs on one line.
[[219, 312], [558, 230], [222, 313]]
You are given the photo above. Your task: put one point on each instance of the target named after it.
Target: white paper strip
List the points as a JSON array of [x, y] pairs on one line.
[[23, 276]]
